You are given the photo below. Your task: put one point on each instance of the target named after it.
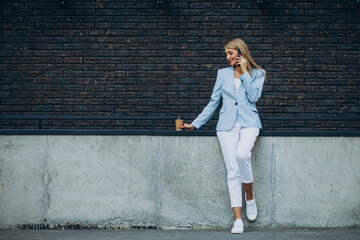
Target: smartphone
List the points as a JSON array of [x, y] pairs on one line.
[[239, 56]]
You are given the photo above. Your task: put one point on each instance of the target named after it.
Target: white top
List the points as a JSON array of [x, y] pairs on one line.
[[237, 85]]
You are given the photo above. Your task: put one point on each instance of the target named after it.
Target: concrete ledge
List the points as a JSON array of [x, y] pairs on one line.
[[196, 133], [173, 182]]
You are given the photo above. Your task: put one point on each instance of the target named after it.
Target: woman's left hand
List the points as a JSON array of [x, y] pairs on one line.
[[242, 62], [187, 126]]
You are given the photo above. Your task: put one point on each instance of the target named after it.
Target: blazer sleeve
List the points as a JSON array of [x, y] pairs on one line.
[[253, 85], [213, 104]]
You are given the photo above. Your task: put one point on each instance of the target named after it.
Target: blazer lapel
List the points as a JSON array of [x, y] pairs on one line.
[[230, 82], [240, 90]]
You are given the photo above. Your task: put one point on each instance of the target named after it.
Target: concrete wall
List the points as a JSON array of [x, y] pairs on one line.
[[173, 182]]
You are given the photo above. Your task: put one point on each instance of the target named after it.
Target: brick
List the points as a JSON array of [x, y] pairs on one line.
[[284, 88], [104, 94], [41, 108], [336, 68], [52, 101], [305, 103], [21, 108], [316, 110], [294, 109], [282, 103], [166, 94], [181, 102], [104, 108], [156, 102], [83, 108]]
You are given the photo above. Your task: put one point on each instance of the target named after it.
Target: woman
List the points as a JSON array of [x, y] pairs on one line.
[[239, 87]]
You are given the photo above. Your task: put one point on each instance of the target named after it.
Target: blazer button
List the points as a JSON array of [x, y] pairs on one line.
[[236, 103]]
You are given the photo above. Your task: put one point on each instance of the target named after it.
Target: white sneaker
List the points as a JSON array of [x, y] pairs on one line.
[[251, 209], [238, 226]]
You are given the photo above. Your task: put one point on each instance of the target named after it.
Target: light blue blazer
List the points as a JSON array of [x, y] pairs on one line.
[[239, 107]]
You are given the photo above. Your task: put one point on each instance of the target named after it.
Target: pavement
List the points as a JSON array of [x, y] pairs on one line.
[[253, 234]]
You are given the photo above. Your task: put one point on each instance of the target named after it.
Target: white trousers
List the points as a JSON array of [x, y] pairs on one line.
[[236, 146]]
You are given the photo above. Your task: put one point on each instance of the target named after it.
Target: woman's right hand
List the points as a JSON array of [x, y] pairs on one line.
[[187, 126]]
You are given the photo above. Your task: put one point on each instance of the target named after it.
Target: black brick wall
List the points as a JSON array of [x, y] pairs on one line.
[[108, 57]]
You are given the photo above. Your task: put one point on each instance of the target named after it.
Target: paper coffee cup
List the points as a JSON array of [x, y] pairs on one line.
[[178, 123]]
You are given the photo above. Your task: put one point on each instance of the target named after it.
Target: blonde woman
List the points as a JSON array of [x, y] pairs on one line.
[[239, 87]]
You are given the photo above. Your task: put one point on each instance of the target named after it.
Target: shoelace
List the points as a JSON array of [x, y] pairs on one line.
[[251, 205], [238, 224]]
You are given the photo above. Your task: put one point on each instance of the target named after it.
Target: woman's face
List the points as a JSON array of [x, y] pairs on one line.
[[231, 56]]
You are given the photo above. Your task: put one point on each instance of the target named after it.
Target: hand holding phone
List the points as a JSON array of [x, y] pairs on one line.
[[242, 62]]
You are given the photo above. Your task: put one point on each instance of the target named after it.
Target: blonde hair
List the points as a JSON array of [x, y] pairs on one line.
[[240, 45]]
